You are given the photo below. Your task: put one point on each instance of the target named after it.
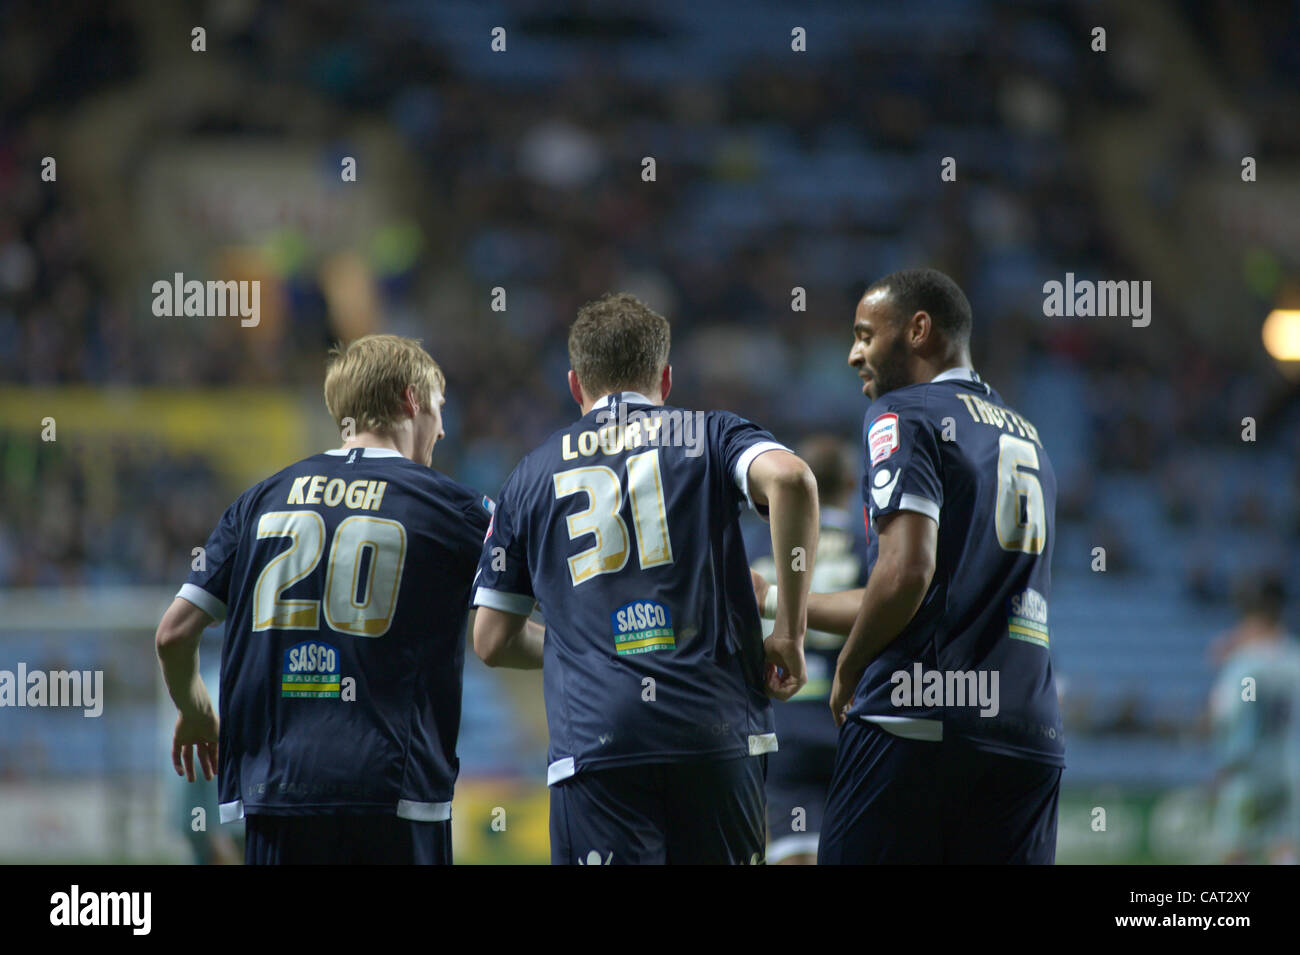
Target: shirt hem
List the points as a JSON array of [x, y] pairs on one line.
[[613, 762]]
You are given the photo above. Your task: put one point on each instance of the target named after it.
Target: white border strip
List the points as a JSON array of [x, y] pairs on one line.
[[503, 601], [560, 770], [423, 811], [910, 727], [922, 505], [787, 846], [203, 600], [746, 459]]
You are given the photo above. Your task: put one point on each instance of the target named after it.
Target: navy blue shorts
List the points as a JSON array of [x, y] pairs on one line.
[[343, 839], [707, 812], [798, 778], [901, 801]]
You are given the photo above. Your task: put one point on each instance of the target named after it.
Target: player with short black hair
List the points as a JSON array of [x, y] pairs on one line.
[[951, 745], [930, 291], [344, 581], [624, 529]]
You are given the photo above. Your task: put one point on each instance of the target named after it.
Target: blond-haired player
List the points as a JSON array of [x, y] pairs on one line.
[[344, 582]]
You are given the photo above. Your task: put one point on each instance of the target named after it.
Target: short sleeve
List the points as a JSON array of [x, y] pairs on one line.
[[473, 531], [738, 442], [503, 581], [903, 466], [208, 587]]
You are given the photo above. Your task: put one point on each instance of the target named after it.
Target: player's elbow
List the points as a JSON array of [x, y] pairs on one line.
[[789, 479], [168, 637], [489, 642], [910, 575]]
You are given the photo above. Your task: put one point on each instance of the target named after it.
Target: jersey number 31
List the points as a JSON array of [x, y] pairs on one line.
[[645, 490]]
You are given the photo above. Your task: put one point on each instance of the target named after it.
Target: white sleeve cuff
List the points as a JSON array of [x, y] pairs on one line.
[[922, 505], [505, 602], [746, 459], [203, 600]]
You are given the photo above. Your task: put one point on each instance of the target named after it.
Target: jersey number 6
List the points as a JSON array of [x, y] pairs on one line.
[[1020, 519]]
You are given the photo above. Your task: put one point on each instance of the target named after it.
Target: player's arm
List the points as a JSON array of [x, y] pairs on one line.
[[503, 639], [831, 613], [899, 580], [784, 484], [177, 644]]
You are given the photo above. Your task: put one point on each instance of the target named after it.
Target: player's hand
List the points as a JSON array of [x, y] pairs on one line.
[[760, 587], [196, 730], [785, 671], [842, 689]]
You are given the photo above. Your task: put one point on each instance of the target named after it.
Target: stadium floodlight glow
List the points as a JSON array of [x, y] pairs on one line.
[[1281, 334]]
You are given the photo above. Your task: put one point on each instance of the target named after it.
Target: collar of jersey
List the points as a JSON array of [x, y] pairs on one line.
[[627, 397], [961, 372], [368, 452]]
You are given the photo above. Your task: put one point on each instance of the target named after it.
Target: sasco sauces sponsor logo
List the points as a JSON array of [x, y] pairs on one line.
[[311, 670], [1027, 617], [882, 437], [642, 626]]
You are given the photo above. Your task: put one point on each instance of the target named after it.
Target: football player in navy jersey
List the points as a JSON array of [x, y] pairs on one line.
[[344, 582], [951, 745], [624, 529]]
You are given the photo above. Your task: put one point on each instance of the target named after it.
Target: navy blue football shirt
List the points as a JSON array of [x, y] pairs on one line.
[[344, 581], [624, 528], [974, 661]]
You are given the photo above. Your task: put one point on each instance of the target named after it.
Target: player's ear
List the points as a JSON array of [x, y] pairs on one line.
[[666, 382], [921, 326], [411, 401], [575, 387]]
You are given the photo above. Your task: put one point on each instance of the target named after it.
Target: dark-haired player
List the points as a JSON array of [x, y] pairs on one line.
[[951, 746], [344, 581], [624, 528]]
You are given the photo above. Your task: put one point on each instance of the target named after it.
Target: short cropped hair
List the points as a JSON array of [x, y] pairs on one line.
[[1262, 593], [366, 379], [928, 290], [618, 343]]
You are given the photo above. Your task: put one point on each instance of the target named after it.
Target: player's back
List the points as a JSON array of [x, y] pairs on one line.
[[976, 653], [347, 577], [625, 529]]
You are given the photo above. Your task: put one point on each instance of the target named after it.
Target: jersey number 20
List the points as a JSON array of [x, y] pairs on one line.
[[359, 606]]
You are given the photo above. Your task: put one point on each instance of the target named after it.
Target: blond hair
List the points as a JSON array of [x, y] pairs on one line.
[[366, 379]]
